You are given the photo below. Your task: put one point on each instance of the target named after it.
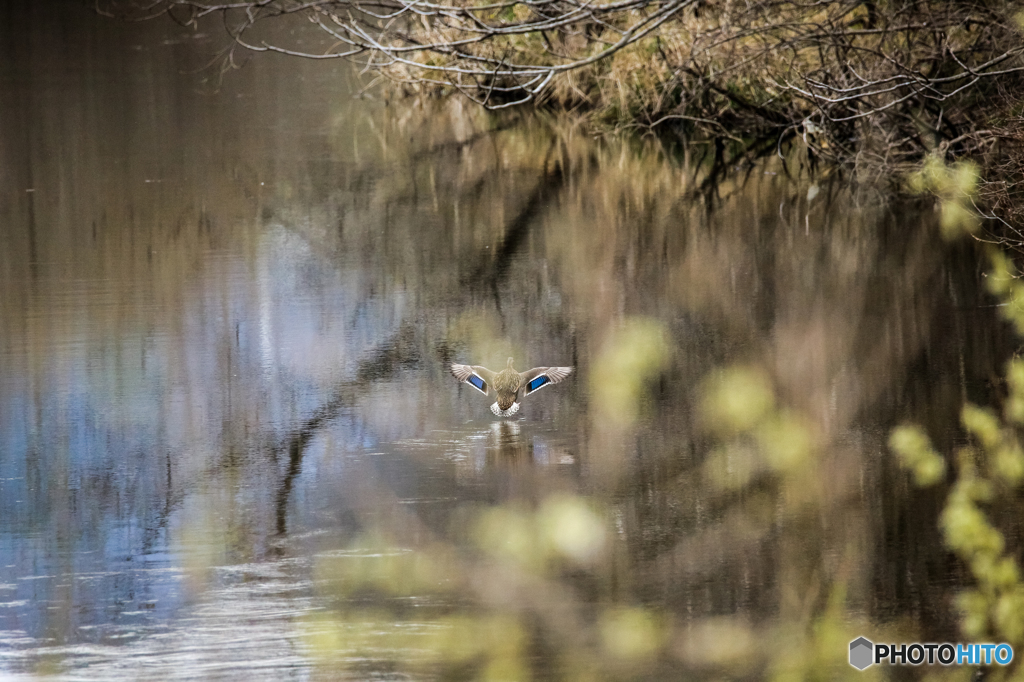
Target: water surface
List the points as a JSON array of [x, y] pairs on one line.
[[227, 307]]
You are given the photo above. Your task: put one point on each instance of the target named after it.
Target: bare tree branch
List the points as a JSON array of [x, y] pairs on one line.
[[840, 72]]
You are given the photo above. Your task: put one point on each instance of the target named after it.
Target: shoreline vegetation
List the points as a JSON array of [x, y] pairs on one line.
[[874, 87]]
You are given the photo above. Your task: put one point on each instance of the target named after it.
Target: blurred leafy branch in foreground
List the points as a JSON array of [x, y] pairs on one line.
[[547, 589], [990, 469]]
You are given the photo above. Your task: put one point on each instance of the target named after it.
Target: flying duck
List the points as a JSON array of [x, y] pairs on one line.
[[509, 385]]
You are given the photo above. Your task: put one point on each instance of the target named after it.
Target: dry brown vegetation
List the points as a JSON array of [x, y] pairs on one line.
[[862, 82]]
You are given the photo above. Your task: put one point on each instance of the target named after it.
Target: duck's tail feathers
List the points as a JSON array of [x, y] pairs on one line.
[[498, 412]]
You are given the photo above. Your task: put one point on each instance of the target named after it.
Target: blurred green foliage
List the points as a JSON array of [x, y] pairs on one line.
[[476, 605], [471, 612], [737, 399], [911, 445], [760, 440], [635, 353], [756, 435], [954, 186], [1004, 282], [513, 586], [563, 529], [989, 470]]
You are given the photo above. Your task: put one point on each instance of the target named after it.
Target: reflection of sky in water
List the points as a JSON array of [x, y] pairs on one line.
[[83, 438], [161, 348], [109, 450]]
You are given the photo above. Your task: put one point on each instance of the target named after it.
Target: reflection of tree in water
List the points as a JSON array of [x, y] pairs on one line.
[[841, 322], [581, 239]]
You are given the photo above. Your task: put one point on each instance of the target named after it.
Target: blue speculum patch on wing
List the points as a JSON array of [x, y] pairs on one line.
[[537, 383], [478, 382]]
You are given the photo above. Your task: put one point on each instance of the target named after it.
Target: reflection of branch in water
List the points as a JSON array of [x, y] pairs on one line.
[[723, 164], [295, 450], [401, 350], [396, 352], [488, 272], [430, 153]]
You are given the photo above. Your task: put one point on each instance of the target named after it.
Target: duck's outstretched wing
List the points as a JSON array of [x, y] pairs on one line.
[[478, 377], [539, 377]]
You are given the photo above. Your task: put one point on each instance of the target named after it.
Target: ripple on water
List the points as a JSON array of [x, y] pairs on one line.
[[247, 622]]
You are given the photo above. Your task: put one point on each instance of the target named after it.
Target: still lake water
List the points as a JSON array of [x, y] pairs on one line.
[[226, 312]]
